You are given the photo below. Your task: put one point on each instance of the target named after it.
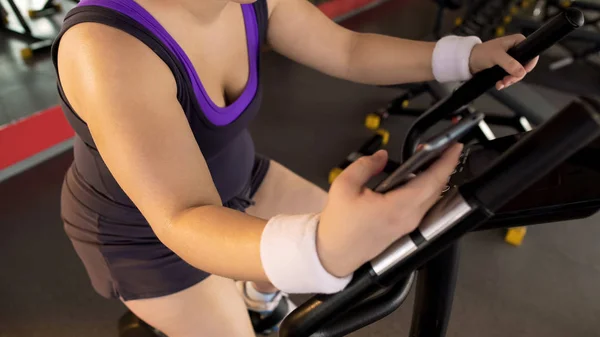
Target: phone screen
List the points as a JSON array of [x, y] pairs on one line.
[[428, 151]]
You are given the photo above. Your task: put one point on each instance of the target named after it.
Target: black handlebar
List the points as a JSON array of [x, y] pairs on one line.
[[379, 305], [310, 318], [539, 41], [322, 314], [546, 147]]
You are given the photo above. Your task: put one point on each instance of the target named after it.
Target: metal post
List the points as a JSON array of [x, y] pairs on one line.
[[436, 283], [17, 12]]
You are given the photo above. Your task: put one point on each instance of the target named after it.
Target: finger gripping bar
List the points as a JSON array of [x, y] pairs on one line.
[[539, 41]]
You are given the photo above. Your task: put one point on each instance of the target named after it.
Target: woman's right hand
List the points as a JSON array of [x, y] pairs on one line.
[[357, 223]]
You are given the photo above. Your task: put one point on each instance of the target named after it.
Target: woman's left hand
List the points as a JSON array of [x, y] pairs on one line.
[[494, 52]]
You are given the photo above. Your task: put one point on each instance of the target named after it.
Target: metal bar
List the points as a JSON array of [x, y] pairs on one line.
[[437, 28], [48, 5], [381, 304], [17, 12], [436, 283], [509, 121]]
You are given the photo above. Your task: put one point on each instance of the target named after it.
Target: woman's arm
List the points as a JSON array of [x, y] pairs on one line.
[[128, 98], [300, 31], [383, 60]]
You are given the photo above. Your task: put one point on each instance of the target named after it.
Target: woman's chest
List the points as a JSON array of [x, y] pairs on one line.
[[222, 66], [218, 54]]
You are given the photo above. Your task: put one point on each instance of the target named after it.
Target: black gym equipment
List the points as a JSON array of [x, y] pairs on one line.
[[481, 16], [581, 45], [50, 7], [529, 107], [36, 45], [439, 18], [559, 147]]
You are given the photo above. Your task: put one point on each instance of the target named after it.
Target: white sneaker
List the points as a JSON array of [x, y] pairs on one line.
[[266, 316]]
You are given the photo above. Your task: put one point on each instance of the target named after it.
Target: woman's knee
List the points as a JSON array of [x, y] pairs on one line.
[[210, 308]]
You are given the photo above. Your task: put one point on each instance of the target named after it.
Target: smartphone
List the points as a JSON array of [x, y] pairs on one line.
[[428, 151]]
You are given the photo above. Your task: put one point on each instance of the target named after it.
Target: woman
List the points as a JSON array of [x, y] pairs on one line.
[[167, 203]]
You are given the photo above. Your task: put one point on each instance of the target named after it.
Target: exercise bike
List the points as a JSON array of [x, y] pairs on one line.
[[483, 195], [529, 108], [394, 272]]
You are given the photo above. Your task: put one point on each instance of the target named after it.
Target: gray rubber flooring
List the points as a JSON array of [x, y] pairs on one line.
[[548, 287]]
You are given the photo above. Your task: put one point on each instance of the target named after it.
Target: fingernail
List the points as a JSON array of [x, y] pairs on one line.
[[501, 87]]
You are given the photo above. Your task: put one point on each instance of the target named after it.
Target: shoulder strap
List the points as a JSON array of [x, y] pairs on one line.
[[262, 18]]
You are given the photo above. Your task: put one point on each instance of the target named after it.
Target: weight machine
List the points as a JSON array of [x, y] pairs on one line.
[[50, 7], [36, 45]]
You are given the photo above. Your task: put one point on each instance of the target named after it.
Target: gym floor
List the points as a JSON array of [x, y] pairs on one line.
[[309, 122]]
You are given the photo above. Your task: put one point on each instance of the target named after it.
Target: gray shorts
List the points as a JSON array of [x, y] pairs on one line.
[[120, 252]]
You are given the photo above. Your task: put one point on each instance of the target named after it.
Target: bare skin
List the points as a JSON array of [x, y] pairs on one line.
[[284, 192], [214, 307], [127, 97]]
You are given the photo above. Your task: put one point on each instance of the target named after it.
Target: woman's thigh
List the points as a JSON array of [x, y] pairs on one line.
[[210, 308], [284, 192]]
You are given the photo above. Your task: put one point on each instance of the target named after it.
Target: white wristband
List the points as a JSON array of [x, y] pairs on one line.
[[288, 252], [451, 56]]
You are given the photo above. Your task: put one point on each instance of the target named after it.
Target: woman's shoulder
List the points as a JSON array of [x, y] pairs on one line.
[[106, 51], [90, 39], [98, 60]]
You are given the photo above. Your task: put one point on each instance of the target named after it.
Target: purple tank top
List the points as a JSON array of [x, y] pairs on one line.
[[221, 132], [215, 114]]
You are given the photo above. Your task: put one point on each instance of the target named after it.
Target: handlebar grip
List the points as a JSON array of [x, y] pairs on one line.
[[543, 38], [547, 35], [550, 33], [535, 155], [369, 311], [320, 309]]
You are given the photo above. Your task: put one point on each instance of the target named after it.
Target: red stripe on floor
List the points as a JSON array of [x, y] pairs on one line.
[[32, 135], [337, 8]]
